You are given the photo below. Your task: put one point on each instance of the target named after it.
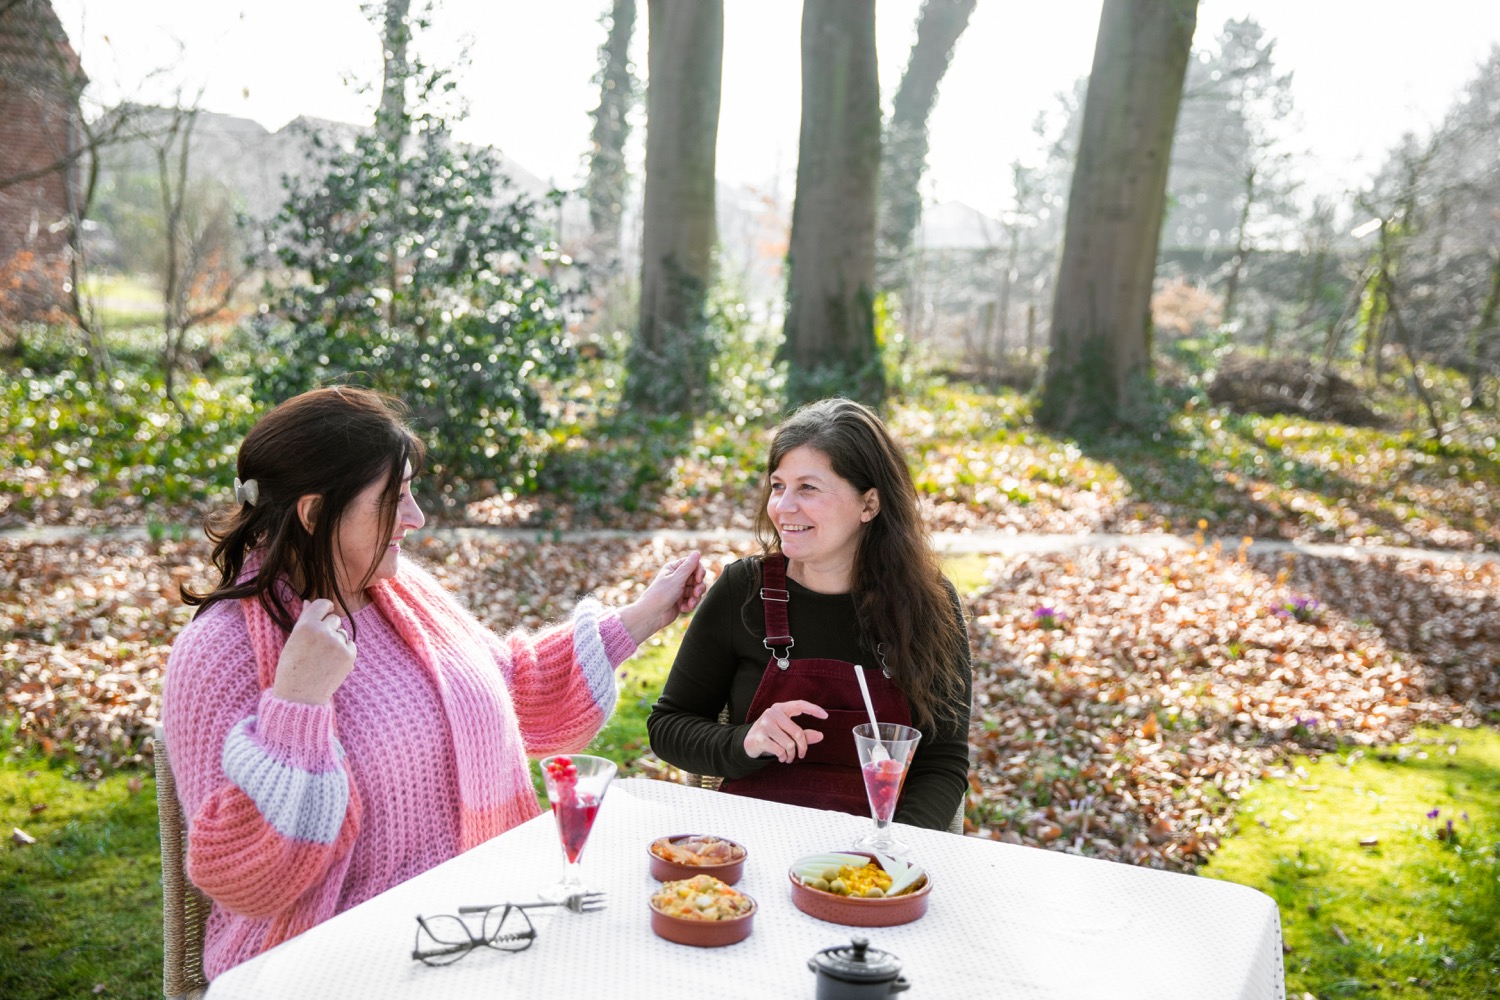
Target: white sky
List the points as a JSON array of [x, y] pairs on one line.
[[1365, 72]]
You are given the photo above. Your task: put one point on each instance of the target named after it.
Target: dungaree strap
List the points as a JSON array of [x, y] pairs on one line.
[[774, 598]]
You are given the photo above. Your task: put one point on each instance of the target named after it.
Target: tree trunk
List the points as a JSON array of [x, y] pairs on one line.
[[669, 363], [1241, 247], [79, 200], [986, 364], [607, 175], [1418, 380], [1012, 260], [905, 154], [1312, 293], [1374, 316], [830, 320], [1335, 334], [394, 35], [1099, 363], [1483, 329], [391, 123], [173, 185]]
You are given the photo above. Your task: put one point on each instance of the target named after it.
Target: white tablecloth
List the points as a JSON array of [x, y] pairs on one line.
[[1003, 921]]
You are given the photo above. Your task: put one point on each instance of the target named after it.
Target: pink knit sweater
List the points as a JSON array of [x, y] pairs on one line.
[[297, 812]]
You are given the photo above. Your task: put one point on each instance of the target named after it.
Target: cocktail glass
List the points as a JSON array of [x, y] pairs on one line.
[[884, 776], [576, 784]]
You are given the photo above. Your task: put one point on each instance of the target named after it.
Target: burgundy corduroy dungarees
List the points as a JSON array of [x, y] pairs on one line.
[[829, 776]]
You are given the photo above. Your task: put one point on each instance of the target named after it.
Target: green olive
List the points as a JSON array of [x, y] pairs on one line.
[[874, 892], [830, 873], [821, 884], [838, 886]]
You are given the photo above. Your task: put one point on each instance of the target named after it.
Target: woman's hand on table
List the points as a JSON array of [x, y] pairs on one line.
[[775, 733]]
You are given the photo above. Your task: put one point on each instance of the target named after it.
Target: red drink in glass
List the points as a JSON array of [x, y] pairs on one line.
[[885, 750], [574, 821], [883, 780], [576, 784]]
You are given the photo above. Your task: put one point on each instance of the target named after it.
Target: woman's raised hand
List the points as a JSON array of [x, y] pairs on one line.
[[775, 732], [318, 655], [676, 590]]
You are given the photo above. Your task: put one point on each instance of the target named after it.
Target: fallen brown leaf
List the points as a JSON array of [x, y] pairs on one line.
[[1150, 727]]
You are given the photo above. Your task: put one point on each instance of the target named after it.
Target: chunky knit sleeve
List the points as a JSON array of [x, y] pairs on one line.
[[269, 804], [562, 679]]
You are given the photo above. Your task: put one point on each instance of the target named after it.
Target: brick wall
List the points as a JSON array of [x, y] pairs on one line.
[[33, 136], [38, 76]]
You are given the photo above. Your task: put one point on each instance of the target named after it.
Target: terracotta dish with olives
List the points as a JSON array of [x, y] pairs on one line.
[[859, 889]]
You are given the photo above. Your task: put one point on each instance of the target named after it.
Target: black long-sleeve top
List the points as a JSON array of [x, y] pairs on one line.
[[721, 662]]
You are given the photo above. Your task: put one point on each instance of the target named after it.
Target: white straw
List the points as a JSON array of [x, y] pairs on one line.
[[878, 752]]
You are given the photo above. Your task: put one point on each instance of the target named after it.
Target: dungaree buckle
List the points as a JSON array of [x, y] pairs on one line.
[[783, 660]]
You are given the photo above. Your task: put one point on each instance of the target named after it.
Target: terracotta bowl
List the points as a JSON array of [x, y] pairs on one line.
[[703, 933], [859, 911], [666, 871]]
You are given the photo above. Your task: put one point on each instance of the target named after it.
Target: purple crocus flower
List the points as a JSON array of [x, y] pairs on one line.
[[1047, 617]]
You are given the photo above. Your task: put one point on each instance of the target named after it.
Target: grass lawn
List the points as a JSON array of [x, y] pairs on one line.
[[125, 302], [624, 737], [1413, 912], [81, 911]]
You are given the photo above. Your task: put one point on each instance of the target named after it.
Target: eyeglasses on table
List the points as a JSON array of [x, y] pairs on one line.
[[444, 939]]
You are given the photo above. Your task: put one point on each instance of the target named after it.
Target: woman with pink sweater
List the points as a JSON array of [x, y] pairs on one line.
[[337, 722]]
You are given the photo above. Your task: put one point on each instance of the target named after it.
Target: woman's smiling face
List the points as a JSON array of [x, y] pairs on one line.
[[818, 514], [362, 535]]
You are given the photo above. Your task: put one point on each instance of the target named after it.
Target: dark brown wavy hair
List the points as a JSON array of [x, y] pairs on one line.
[[333, 443], [902, 602]]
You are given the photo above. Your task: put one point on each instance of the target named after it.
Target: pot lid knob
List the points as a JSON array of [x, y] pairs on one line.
[[856, 962]]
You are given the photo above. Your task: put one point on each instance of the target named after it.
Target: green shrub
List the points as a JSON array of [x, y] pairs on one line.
[[125, 436], [418, 269]]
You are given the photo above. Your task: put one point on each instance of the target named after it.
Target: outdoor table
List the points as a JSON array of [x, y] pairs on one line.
[[1002, 921]]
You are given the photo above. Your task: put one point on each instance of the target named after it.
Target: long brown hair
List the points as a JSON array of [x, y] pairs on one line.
[[333, 443], [903, 606]]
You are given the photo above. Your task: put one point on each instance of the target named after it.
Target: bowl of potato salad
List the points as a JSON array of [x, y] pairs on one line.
[[701, 911]]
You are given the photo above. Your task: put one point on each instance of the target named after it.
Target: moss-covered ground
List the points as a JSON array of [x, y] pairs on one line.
[[80, 909], [1383, 863]]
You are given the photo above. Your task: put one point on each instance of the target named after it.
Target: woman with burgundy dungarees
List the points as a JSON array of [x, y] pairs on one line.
[[846, 576]]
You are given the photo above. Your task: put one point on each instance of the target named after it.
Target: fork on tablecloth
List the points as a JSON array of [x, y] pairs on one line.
[[586, 902]]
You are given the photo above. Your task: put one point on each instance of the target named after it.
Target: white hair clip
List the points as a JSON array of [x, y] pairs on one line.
[[246, 492]]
